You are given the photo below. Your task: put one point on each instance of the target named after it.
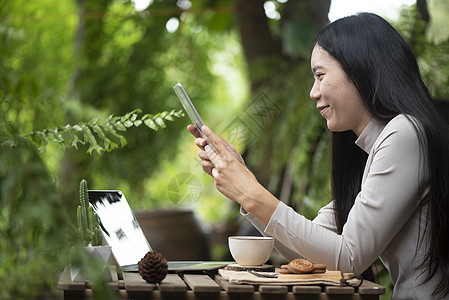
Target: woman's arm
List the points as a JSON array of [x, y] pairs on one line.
[[324, 219], [325, 216], [389, 195], [394, 184], [288, 253]]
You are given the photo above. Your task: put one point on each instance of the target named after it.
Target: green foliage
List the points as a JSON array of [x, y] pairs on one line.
[[33, 225], [88, 226], [130, 60], [430, 45], [438, 30], [61, 62], [101, 135], [35, 61]]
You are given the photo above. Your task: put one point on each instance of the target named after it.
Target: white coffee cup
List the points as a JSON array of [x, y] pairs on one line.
[[250, 250]]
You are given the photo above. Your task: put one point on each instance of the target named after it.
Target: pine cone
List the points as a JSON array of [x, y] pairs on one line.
[[153, 267]]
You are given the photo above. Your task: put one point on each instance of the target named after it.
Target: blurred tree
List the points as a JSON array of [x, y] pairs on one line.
[[85, 59], [430, 45], [41, 85], [122, 58], [33, 228], [290, 143]]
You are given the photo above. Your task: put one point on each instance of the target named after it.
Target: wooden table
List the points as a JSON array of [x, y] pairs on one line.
[[212, 286]]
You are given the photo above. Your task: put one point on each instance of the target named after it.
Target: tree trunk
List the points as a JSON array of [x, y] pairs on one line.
[[256, 38], [299, 22]]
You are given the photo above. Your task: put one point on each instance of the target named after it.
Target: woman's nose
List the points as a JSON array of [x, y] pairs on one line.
[[315, 91]]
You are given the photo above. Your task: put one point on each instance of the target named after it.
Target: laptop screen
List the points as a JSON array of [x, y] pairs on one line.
[[119, 226]]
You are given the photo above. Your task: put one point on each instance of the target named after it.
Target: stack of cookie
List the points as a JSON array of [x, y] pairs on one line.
[[302, 266]]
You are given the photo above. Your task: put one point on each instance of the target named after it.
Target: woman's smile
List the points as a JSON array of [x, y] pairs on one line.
[[323, 109]]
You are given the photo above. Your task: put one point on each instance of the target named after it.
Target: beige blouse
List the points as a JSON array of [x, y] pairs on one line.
[[384, 222]]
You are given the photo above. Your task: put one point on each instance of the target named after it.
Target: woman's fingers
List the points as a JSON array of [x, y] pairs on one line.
[[192, 129], [203, 155], [212, 155], [231, 149], [206, 163], [200, 142], [214, 172], [215, 141], [214, 152], [208, 167]]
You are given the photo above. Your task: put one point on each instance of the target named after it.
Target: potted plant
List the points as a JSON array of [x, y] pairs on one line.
[[90, 236]]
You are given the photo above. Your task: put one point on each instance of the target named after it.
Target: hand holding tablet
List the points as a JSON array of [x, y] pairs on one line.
[[191, 111]]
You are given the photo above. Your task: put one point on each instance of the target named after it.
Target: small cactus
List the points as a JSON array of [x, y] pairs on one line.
[[90, 233]]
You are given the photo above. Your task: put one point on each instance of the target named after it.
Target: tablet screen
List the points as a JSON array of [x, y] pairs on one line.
[[188, 107], [119, 226]]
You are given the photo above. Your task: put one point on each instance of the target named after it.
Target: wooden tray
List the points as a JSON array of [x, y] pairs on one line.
[[333, 275]]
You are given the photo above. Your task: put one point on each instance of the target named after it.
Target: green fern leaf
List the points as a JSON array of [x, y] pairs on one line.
[[108, 144], [128, 123], [151, 124], [110, 129], [147, 116], [119, 125], [90, 138], [159, 121], [88, 133]]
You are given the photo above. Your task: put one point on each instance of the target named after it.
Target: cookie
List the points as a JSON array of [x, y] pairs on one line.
[[300, 266], [284, 271], [318, 271], [319, 267]]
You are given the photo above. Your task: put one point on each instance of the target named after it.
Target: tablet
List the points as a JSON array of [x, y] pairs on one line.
[[191, 111]]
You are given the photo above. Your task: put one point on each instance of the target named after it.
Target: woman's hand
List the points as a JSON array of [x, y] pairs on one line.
[[201, 143], [231, 176], [236, 182]]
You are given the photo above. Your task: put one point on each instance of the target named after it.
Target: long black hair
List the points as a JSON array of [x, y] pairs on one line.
[[383, 68]]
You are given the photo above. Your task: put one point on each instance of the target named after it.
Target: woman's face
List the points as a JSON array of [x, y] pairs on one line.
[[338, 100]]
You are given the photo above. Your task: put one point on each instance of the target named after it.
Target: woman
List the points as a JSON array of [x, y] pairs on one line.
[[390, 165]]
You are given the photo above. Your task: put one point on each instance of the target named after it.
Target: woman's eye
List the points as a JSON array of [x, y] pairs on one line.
[[318, 75]]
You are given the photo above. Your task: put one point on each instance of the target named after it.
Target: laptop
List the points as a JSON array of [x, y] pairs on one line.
[[123, 233]]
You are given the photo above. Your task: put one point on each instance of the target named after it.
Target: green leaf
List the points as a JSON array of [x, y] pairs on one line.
[[73, 132], [108, 144], [110, 129], [119, 125], [82, 133], [90, 138], [75, 139], [147, 116], [169, 118], [176, 113], [77, 128], [151, 124], [128, 123], [160, 122], [43, 141], [55, 136]]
